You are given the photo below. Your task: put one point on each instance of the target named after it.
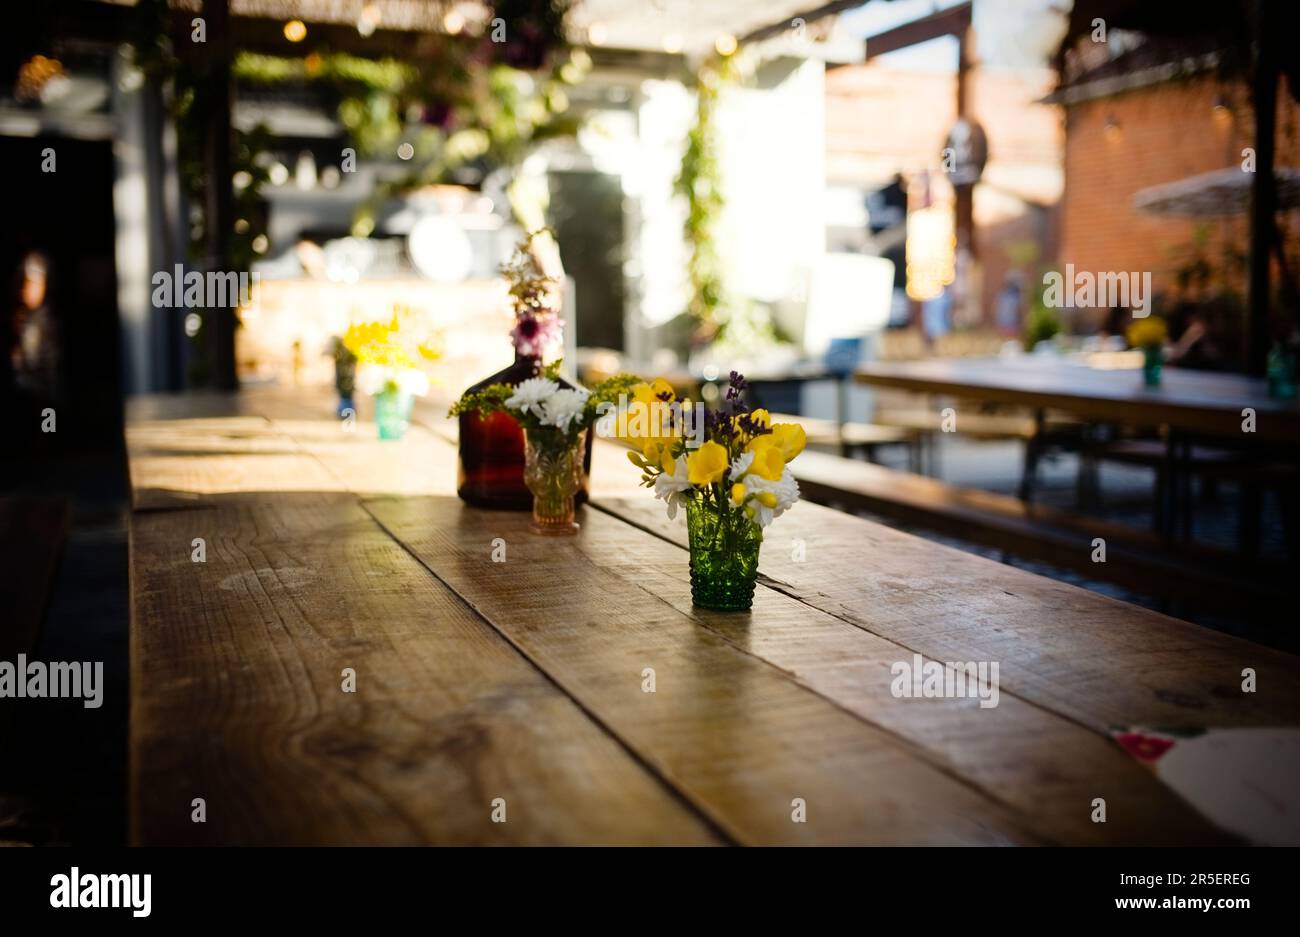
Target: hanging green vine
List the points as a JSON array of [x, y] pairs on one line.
[[699, 180]]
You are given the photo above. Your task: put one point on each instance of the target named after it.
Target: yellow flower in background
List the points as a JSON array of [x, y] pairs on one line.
[[659, 390], [737, 493], [1148, 333], [768, 461], [761, 417], [647, 416], [707, 464], [388, 345]]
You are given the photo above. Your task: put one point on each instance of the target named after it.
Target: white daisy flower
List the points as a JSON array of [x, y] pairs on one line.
[[672, 487], [371, 378], [413, 381], [563, 407], [783, 495], [530, 394]]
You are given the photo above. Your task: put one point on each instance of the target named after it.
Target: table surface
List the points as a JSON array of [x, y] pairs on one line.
[[521, 685], [1195, 401]]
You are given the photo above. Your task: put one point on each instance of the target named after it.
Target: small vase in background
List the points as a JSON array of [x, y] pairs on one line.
[[1281, 373], [724, 557], [1152, 363], [554, 474], [392, 412], [345, 378]]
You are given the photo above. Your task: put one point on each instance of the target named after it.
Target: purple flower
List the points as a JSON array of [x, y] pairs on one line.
[[532, 335], [736, 385], [750, 427]]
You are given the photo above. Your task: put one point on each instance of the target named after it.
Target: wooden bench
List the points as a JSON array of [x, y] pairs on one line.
[[975, 420], [977, 425], [1135, 559], [847, 437]]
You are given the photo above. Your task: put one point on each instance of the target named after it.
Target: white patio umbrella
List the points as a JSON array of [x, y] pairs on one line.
[[1221, 193]]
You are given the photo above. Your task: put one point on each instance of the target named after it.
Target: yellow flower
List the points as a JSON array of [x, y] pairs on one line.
[[1148, 333], [659, 452], [737, 493], [707, 464], [767, 499], [646, 416], [761, 418], [768, 461], [787, 438], [659, 390]]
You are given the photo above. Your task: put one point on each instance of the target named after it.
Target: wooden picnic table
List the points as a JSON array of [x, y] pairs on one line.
[[519, 682], [1194, 402]]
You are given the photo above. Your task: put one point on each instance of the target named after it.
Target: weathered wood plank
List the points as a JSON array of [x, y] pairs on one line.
[[268, 442], [1045, 766], [737, 736], [237, 698], [1097, 661]]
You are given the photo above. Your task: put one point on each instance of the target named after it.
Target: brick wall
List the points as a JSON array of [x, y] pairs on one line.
[[1161, 134]]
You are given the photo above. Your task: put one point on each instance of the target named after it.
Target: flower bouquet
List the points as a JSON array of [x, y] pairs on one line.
[[728, 468], [390, 359], [555, 419], [1150, 335]]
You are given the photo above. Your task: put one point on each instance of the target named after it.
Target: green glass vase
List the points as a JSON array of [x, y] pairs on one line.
[[724, 556], [392, 412], [1152, 362]]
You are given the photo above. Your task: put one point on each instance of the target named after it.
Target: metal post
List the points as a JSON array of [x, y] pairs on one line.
[[1262, 190]]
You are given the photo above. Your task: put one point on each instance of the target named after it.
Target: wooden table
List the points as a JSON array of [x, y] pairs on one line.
[[484, 686], [1190, 401]]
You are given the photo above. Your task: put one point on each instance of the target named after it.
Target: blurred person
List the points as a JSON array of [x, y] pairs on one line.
[[1010, 303], [1204, 334], [32, 348], [1114, 327], [936, 314]]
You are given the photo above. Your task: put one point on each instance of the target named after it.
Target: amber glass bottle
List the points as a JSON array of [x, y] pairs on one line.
[[491, 472]]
